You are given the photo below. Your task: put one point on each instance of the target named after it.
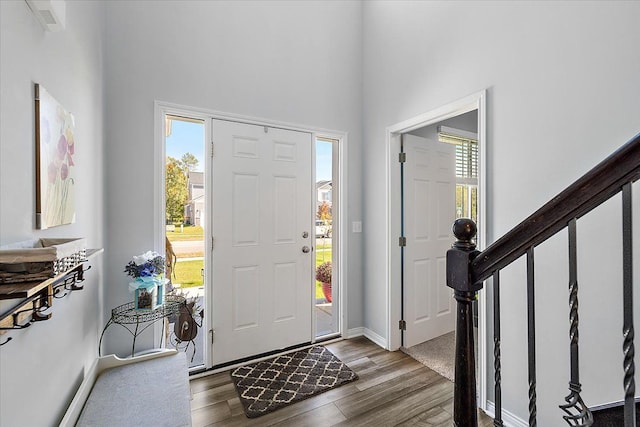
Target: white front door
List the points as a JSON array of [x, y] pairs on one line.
[[262, 208], [429, 211]]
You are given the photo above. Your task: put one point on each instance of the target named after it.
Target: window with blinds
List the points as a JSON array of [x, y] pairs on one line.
[[466, 174], [466, 154]]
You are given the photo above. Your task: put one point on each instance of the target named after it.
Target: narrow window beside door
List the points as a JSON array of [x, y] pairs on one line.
[[185, 218], [326, 284]]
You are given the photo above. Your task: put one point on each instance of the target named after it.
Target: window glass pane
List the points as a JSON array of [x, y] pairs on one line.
[[185, 214], [466, 175], [474, 203]]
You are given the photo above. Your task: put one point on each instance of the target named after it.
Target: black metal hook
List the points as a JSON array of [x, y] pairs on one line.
[[38, 315], [69, 283], [16, 325], [6, 341], [57, 291], [15, 320], [81, 273]]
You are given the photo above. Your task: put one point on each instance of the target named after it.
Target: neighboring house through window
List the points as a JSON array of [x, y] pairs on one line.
[[194, 208], [324, 191]]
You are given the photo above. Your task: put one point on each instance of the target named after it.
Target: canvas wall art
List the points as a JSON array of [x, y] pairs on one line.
[[55, 167]]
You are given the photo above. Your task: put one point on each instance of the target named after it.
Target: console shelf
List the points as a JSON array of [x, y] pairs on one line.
[[37, 297]]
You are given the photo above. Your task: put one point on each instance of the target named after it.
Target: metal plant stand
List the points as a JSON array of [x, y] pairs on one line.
[[126, 314]]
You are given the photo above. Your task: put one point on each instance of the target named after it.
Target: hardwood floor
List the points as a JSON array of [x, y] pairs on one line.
[[392, 390]]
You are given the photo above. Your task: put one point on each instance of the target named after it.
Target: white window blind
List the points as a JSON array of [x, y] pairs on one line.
[[466, 150], [466, 155]]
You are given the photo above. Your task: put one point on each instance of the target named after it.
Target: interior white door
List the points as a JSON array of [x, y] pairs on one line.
[[262, 278], [429, 211]]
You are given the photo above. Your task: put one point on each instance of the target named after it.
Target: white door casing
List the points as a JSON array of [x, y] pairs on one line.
[[262, 279], [429, 209]]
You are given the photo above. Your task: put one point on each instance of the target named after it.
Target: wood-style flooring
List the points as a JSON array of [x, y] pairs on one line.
[[392, 390]]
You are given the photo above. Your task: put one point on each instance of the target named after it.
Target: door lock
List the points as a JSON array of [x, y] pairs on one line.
[[305, 234]]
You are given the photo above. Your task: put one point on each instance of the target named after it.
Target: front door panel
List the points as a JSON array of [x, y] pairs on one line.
[[262, 280]]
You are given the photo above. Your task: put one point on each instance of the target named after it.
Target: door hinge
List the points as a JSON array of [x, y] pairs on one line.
[[402, 325], [212, 332], [212, 149], [212, 243], [402, 241], [402, 157]]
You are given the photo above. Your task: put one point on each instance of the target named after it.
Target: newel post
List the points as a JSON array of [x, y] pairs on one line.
[[459, 258]]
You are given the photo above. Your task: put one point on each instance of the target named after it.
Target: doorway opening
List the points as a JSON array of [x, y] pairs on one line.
[[185, 223], [439, 181], [477, 102], [326, 295]]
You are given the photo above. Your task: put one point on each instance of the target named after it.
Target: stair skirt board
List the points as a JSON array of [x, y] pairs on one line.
[[612, 414], [512, 420]]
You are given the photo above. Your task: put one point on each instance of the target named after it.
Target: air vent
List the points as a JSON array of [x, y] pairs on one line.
[[47, 17], [50, 13]]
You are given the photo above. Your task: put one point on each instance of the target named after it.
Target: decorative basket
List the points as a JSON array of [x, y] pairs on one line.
[[32, 260]]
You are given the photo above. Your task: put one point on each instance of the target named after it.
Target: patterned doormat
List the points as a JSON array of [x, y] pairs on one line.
[[266, 386]]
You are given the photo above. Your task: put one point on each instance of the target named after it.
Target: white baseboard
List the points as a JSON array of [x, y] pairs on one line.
[[354, 332], [358, 332], [381, 341], [508, 419]]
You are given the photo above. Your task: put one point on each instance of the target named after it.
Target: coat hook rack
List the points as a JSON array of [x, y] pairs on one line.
[[37, 309], [36, 297], [16, 324], [69, 282]]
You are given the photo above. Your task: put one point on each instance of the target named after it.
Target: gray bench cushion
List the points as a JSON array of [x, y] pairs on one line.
[[150, 393]]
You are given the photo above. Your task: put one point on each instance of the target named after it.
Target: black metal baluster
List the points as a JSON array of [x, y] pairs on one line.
[[497, 421], [577, 412], [531, 334], [627, 297]]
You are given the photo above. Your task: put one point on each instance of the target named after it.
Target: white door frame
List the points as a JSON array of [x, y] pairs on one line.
[[161, 108], [476, 101]]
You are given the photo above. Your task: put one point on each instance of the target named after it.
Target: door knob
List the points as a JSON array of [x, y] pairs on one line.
[[306, 249]]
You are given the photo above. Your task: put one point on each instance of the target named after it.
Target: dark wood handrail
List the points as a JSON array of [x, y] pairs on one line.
[[595, 187]]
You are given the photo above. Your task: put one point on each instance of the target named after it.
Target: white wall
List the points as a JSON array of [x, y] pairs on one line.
[[467, 122], [563, 93], [297, 62], [42, 366]]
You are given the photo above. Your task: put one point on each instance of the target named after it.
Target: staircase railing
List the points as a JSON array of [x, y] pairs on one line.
[[468, 268]]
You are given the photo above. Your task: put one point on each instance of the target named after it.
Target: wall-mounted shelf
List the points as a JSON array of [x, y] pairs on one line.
[[37, 297]]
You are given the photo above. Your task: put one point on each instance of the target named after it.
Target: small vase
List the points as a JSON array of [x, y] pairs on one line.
[[148, 292], [326, 290]]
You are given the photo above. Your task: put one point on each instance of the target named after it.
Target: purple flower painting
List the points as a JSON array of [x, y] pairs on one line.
[[55, 126]]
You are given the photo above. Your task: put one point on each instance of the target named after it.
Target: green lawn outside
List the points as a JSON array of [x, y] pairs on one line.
[[188, 273], [189, 232]]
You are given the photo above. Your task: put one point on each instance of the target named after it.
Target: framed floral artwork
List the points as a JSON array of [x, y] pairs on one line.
[[55, 167]]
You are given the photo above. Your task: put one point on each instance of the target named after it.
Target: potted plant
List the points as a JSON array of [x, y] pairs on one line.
[[323, 275]]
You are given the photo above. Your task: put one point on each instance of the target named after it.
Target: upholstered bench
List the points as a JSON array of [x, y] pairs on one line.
[[148, 390]]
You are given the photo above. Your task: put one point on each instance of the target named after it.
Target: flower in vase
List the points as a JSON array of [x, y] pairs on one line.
[[148, 264]]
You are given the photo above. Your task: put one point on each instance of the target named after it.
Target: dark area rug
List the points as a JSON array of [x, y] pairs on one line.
[[271, 384]]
